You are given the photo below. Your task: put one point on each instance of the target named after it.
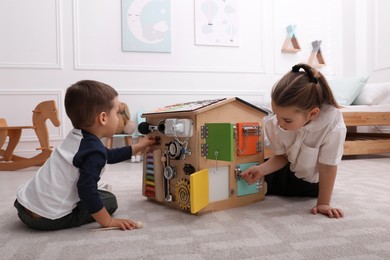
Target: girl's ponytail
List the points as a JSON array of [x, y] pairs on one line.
[[303, 89]]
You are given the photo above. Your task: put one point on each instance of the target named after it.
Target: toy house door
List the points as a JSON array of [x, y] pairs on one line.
[[219, 141]]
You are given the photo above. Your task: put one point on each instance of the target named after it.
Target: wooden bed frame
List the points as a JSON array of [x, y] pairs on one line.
[[359, 143]]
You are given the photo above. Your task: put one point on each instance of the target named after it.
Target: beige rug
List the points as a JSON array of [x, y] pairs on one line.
[[277, 228]]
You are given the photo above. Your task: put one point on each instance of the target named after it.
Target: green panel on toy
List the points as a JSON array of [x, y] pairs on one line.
[[243, 188], [220, 141]]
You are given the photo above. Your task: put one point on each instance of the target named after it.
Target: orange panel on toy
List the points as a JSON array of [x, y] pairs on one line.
[[248, 134]]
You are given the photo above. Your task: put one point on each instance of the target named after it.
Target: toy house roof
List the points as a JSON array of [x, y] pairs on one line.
[[201, 106]]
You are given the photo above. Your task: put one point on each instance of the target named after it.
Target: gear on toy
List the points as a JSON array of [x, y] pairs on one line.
[[182, 194]]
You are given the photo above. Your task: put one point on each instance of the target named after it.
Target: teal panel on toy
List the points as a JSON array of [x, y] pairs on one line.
[[243, 188], [220, 141]]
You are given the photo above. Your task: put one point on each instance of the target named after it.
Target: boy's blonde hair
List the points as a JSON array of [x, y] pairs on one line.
[[86, 99], [303, 89]]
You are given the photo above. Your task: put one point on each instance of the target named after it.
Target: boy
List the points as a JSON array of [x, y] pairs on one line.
[[64, 193]]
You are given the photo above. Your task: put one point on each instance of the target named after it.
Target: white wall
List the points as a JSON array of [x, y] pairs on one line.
[[46, 45]]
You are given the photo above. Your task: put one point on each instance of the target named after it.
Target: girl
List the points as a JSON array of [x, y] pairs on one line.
[[307, 135]]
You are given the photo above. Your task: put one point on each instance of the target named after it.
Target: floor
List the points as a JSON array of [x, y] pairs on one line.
[[276, 228]]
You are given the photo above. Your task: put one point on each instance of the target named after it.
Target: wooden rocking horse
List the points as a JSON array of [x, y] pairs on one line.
[[9, 161]]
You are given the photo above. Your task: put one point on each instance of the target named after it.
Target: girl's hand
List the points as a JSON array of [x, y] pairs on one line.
[[251, 175], [328, 211], [144, 143]]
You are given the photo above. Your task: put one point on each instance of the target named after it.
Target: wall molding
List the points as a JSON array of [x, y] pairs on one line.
[[79, 65], [136, 99], [173, 92], [141, 100], [59, 49], [375, 48], [306, 35], [35, 96]]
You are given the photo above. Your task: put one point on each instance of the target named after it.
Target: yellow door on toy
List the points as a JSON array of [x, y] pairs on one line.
[[199, 190]]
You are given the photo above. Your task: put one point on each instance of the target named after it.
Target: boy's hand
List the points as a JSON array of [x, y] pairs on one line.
[[108, 223], [328, 211], [251, 175], [124, 224], [144, 143], [147, 141]]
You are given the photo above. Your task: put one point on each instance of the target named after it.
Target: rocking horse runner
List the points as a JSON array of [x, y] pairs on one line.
[[42, 112]]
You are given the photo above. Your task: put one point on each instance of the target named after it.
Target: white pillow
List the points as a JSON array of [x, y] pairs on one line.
[[374, 94], [346, 89]]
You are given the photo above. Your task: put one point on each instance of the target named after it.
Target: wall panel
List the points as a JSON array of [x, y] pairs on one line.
[[97, 36], [151, 100], [30, 35], [314, 20], [381, 39], [18, 112]]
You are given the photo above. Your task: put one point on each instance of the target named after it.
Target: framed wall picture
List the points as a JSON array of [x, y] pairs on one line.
[[216, 22], [146, 25]]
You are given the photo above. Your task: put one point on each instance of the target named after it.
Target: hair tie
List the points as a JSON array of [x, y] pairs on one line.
[[314, 80], [296, 68]]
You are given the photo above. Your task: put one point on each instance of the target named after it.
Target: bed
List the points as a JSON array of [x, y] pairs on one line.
[[366, 112], [368, 127]]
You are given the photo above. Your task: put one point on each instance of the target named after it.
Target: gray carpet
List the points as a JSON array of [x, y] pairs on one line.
[[276, 228]]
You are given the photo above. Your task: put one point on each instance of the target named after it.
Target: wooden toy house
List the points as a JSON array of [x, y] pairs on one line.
[[203, 147]]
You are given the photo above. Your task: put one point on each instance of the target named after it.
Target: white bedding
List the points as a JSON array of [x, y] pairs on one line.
[[374, 94], [367, 108]]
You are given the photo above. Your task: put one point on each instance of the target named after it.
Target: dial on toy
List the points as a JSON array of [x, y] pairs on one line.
[[174, 149]]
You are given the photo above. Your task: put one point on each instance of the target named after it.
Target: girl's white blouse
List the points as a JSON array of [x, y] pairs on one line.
[[320, 141]]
